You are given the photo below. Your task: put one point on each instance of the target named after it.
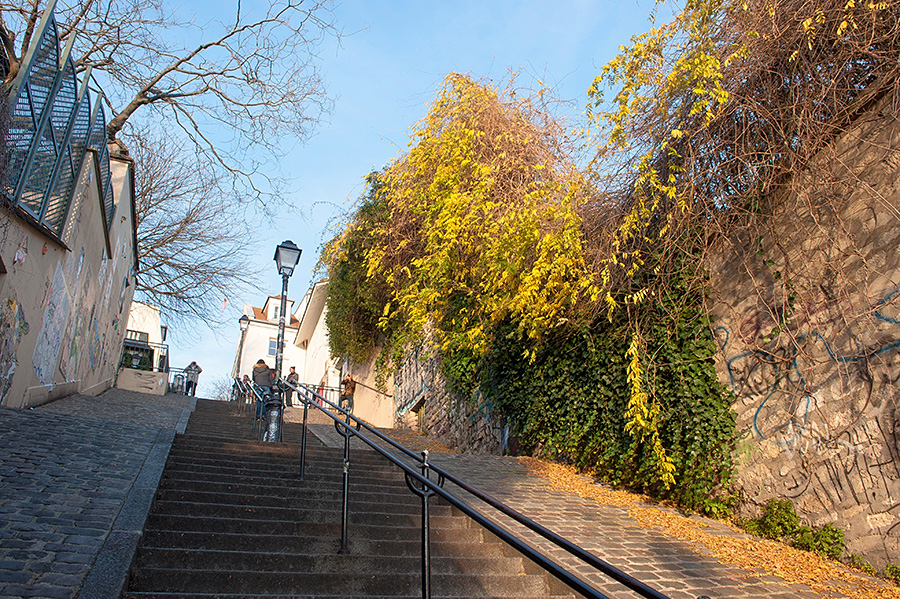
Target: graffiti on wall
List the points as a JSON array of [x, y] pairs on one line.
[[57, 309], [816, 398], [824, 358]]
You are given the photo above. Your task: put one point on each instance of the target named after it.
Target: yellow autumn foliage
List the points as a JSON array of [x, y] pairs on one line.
[[484, 221]]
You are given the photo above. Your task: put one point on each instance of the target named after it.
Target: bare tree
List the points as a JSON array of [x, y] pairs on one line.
[[235, 87], [222, 389], [193, 247]]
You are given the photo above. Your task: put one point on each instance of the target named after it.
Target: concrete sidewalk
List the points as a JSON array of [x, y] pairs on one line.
[[77, 477]]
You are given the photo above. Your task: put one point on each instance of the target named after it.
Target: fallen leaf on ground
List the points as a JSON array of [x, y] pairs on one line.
[[760, 557]]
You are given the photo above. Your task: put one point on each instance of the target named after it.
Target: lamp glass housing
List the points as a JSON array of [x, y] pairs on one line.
[[286, 257], [244, 322]]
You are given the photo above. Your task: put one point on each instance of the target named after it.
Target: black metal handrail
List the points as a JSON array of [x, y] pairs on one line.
[[251, 393], [245, 395], [349, 426]]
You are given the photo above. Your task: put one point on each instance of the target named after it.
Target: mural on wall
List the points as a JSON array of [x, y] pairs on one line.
[[101, 272], [108, 287], [21, 253], [68, 361], [57, 309], [13, 326], [94, 341], [70, 349], [86, 309]]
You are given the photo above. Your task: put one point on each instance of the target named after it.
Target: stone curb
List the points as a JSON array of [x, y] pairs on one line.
[[109, 572]]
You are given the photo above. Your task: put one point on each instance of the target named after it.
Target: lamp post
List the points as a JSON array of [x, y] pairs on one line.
[[244, 322], [286, 257]]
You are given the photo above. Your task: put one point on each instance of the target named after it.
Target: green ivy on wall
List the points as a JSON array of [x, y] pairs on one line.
[[570, 403]]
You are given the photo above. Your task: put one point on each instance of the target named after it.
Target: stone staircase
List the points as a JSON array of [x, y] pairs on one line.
[[232, 519]]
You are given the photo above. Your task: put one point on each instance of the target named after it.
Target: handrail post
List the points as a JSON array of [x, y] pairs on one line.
[[345, 500], [305, 401], [426, 532], [425, 492]]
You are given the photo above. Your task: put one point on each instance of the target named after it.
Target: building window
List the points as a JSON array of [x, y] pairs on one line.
[[273, 346]]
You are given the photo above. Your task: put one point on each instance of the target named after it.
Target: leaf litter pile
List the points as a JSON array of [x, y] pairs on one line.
[[759, 557]]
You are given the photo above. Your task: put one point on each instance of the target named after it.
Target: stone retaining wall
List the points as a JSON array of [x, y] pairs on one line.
[[807, 318], [424, 403]]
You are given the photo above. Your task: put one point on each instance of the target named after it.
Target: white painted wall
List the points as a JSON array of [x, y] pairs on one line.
[[372, 406], [146, 319]]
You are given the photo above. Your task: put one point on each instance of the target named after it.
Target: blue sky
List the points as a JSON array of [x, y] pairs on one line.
[[391, 61]]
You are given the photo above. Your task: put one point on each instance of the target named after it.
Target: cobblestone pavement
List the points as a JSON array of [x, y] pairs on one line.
[[76, 480], [666, 564], [676, 568]]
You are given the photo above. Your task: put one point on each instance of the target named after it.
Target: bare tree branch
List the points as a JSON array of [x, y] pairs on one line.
[[193, 247], [249, 83]]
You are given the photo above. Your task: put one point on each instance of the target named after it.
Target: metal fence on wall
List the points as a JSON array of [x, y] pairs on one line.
[[52, 125]]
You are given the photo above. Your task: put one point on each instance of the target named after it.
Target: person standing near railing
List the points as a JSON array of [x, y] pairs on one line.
[[293, 379], [264, 378], [349, 387]]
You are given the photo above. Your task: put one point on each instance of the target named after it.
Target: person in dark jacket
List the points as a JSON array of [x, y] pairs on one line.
[[293, 379], [264, 378], [349, 387], [191, 375]]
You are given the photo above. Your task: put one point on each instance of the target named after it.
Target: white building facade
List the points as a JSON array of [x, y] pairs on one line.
[[145, 355], [260, 340], [306, 349]]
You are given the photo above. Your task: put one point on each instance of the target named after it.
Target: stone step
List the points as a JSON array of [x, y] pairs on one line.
[[231, 519], [277, 456], [210, 448], [270, 454], [253, 482], [389, 503], [276, 469], [356, 585], [418, 595], [358, 526], [371, 516], [282, 561], [323, 542]]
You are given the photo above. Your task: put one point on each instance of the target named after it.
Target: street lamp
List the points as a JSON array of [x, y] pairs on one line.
[[286, 257]]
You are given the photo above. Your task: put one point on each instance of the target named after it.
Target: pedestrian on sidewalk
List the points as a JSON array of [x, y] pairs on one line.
[[345, 401], [191, 375], [264, 378], [293, 379]]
